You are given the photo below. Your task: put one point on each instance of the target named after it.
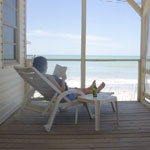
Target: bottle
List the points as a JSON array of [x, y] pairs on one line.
[[94, 90]]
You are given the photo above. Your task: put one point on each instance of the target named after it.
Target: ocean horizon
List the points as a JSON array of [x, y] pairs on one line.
[[87, 56]]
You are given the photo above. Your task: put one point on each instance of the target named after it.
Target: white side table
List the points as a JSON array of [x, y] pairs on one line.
[[101, 98]]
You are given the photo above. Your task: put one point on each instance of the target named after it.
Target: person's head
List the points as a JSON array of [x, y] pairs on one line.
[[40, 63]]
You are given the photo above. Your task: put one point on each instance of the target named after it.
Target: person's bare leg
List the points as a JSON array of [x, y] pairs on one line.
[[91, 86], [101, 86], [89, 90]]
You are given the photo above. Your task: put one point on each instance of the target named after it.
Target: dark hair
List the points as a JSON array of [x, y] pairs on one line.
[[40, 63]]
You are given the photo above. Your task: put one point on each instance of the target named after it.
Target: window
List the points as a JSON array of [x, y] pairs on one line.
[[9, 30]]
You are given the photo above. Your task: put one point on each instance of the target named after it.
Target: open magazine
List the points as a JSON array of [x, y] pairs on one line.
[[60, 71]]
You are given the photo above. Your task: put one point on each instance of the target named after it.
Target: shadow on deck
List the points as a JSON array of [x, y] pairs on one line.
[[133, 132]]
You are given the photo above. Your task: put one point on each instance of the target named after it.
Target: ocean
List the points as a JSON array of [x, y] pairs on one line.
[[120, 77]]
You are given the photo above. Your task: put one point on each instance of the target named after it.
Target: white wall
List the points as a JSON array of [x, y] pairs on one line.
[[11, 85]]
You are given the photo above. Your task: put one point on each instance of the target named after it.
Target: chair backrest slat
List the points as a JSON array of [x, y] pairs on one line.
[[38, 81]]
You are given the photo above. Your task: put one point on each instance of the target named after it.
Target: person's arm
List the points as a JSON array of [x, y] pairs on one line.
[[62, 87]]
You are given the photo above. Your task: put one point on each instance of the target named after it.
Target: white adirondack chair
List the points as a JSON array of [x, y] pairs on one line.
[[56, 99]]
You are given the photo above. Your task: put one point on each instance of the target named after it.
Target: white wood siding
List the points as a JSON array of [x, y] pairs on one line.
[[11, 85]]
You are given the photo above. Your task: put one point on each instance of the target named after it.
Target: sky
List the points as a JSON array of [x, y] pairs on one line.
[[54, 28]]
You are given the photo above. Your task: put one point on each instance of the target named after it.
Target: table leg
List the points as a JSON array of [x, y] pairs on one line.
[[88, 110], [117, 112], [112, 105], [76, 115], [97, 115]]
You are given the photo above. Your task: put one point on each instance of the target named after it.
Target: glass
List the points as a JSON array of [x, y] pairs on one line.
[[9, 15], [9, 51], [11, 2], [9, 34]]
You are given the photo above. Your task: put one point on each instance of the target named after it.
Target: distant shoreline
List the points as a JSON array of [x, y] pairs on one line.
[[87, 56]]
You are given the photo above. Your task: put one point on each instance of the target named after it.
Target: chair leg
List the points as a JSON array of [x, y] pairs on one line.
[[116, 105], [50, 120], [76, 114], [112, 105], [88, 110], [52, 116]]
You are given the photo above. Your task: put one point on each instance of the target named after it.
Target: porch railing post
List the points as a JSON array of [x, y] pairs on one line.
[[83, 44], [139, 81], [143, 52]]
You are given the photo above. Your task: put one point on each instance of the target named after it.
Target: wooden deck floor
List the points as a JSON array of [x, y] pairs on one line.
[[27, 132]]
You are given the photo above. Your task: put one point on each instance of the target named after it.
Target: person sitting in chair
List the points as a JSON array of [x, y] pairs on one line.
[[40, 63]]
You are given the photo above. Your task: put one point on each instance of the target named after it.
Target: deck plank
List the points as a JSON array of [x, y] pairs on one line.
[[27, 132]]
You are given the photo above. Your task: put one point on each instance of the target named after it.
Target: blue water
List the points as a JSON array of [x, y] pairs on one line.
[[89, 57], [103, 70], [97, 70]]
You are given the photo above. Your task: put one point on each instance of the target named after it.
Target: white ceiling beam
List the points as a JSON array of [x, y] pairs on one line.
[[135, 6], [145, 7]]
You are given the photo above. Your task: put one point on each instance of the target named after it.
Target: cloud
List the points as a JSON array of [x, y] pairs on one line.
[[97, 38], [42, 33], [91, 40], [39, 33], [104, 44], [68, 36]]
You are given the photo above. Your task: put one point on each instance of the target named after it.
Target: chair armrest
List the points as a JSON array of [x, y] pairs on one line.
[[64, 94]]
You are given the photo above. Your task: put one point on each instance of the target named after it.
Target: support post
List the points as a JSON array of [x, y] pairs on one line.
[[139, 81], [83, 44], [143, 53], [145, 7], [135, 6]]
